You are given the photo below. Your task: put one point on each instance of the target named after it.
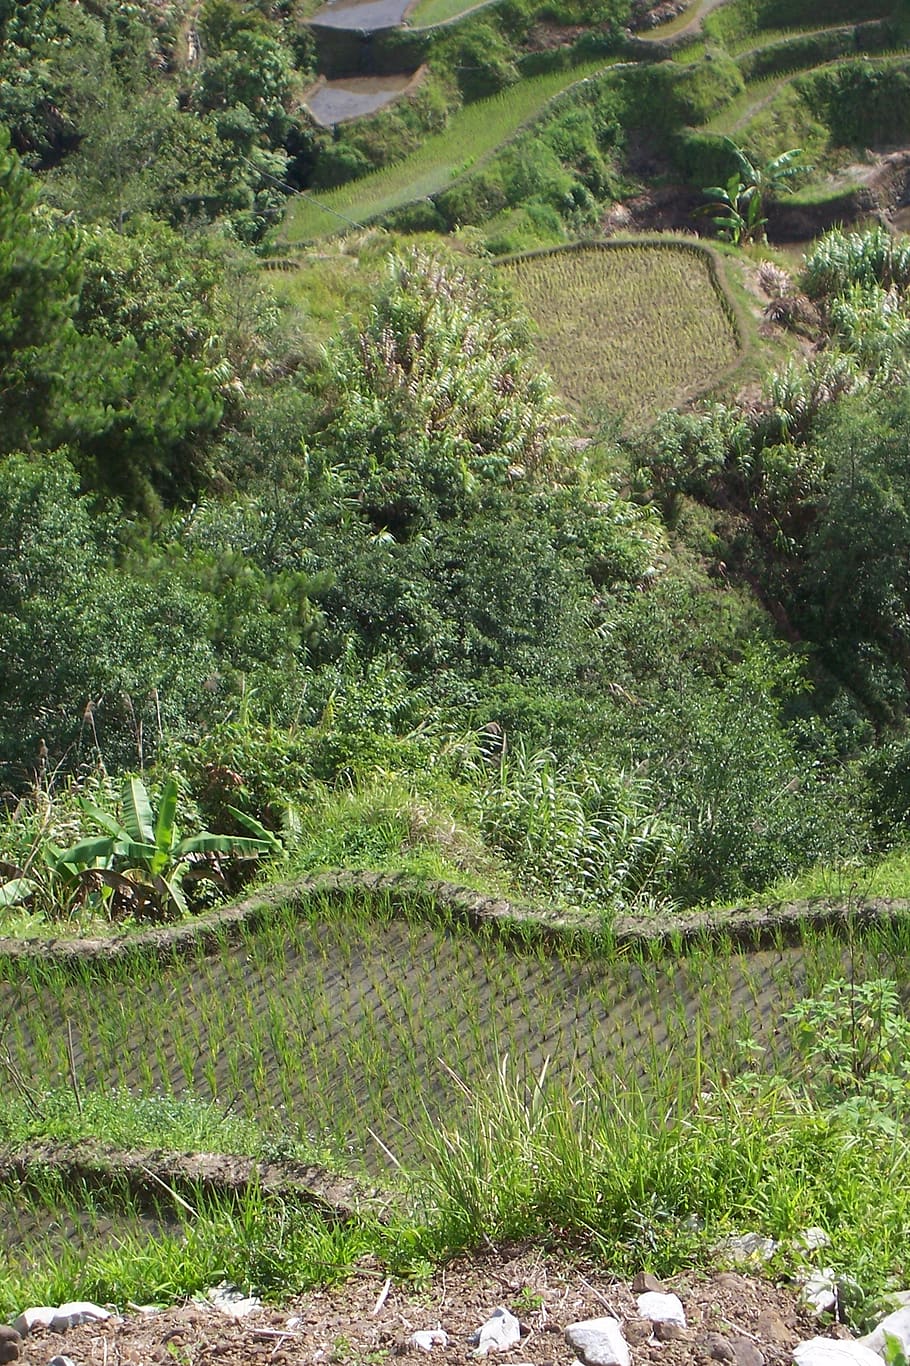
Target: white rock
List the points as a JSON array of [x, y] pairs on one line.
[[227, 1299], [811, 1239], [660, 1307], [748, 1247], [500, 1332], [834, 1352], [897, 1325], [428, 1338], [819, 1291], [38, 1317], [599, 1342], [70, 1315]]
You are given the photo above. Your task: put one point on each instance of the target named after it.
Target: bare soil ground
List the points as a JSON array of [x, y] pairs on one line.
[[731, 1317]]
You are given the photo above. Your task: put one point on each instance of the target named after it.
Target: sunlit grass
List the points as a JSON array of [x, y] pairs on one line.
[[427, 12], [847, 882]]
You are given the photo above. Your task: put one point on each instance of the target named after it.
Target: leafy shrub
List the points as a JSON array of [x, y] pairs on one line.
[[854, 1040]]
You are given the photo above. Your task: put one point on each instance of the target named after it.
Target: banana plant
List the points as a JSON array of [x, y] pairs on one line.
[[736, 207], [142, 857]]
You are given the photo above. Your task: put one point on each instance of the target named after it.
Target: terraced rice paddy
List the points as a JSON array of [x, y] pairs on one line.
[[631, 328], [72, 1222], [334, 102], [471, 134], [344, 1027]]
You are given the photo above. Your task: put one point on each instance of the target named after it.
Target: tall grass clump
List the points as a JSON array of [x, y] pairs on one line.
[[844, 259], [600, 1169], [582, 833]]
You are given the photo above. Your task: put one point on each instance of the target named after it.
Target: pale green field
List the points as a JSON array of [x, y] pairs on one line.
[[635, 329]]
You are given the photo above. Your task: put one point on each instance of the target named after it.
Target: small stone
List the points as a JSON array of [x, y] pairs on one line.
[[40, 1316], [833, 1352], [731, 1280], [746, 1353], [811, 1239], [645, 1282], [662, 1308], [819, 1291], [10, 1342], [897, 1325], [599, 1342], [664, 1331], [500, 1332], [72, 1314], [748, 1247], [636, 1330], [425, 1339], [770, 1326], [61, 1361], [717, 1347], [227, 1299]]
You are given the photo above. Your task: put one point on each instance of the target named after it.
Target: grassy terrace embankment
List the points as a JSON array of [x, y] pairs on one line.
[[472, 134]]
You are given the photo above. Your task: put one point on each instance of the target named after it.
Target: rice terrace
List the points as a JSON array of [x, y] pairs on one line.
[[635, 327], [454, 682]]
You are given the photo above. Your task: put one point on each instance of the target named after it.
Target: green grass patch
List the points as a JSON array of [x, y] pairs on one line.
[[849, 883], [471, 134], [631, 328], [428, 12]]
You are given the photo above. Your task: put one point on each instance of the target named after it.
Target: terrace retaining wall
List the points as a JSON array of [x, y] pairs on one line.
[[750, 927]]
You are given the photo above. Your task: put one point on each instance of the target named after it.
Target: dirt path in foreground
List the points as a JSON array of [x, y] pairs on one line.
[[731, 1318]]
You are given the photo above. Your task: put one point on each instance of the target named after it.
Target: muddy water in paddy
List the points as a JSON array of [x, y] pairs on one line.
[[348, 1028], [30, 1226], [362, 16], [335, 101]]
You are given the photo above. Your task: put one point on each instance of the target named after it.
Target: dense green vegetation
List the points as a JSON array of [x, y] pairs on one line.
[[317, 567]]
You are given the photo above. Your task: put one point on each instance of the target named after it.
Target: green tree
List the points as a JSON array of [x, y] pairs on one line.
[[436, 399], [39, 281]]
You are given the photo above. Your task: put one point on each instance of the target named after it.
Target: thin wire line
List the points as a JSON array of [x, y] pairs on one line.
[[303, 194]]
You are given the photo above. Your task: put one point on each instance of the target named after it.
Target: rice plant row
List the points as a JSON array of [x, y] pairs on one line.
[[341, 1030], [634, 329]]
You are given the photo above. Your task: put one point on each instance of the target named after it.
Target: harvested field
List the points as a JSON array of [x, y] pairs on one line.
[[635, 328]]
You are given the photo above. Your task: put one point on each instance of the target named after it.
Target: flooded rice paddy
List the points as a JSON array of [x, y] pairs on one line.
[[333, 102], [347, 1030], [361, 16]]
